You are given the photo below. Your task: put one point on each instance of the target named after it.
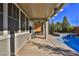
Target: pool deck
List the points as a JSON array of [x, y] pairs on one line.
[[46, 47]]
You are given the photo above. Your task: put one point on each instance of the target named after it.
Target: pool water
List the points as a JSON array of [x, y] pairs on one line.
[[72, 41]]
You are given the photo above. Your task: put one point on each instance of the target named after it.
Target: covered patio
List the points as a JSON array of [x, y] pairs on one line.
[[15, 34], [49, 47]]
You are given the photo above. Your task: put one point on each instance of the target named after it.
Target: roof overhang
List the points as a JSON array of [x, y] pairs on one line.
[[40, 11]]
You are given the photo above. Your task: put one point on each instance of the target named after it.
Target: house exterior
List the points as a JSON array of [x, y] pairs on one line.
[[15, 19]]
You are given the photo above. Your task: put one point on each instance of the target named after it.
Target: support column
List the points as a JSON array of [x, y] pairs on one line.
[[5, 19], [43, 28], [46, 30], [19, 21], [5, 24]]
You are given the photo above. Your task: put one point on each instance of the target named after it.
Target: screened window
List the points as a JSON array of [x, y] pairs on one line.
[[13, 17], [15, 12], [27, 23], [10, 10], [1, 17], [22, 22]]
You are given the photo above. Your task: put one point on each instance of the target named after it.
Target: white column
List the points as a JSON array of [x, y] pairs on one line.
[[43, 28], [5, 18], [5, 25], [46, 30], [19, 21]]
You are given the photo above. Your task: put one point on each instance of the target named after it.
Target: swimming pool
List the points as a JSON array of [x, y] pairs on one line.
[[72, 41]]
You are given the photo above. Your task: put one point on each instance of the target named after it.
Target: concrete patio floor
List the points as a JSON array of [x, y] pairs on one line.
[[46, 47]]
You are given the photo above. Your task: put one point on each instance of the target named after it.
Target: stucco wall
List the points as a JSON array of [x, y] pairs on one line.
[[4, 46], [20, 40]]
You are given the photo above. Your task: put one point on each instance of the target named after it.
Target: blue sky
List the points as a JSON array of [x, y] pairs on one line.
[[71, 11]]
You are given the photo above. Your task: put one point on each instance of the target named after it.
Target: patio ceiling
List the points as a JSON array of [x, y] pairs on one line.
[[39, 10]]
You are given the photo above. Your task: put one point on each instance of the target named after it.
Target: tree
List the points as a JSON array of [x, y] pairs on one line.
[[58, 27], [52, 26], [65, 24], [70, 28]]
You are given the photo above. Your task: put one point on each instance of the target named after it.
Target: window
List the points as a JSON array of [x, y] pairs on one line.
[[15, 12], [22, 22], [10, 9], [1, 17], [13, 17], [27, 23]]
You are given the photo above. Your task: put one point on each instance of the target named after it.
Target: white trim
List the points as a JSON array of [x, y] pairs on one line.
[[9, 45], [3, 37], [20, 33], [19, 21], [5, 32]]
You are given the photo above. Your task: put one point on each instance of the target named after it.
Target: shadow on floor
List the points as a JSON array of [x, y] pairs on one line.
[[40, 37], [57, 50]]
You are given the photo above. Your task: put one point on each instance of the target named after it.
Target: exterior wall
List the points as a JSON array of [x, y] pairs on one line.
[[4, 46], [20, 40]]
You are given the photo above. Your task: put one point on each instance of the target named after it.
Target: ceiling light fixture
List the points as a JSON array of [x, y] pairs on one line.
[[61, 10], [55, 14]]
